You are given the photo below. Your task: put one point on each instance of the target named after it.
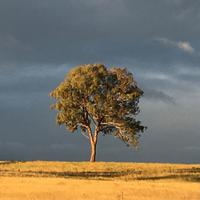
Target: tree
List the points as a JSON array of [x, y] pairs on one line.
[[98, 100]]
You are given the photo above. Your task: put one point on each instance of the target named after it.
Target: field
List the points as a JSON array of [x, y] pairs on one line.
[[41, 180]]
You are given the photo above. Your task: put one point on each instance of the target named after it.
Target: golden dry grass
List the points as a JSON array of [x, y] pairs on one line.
[[114, 181]]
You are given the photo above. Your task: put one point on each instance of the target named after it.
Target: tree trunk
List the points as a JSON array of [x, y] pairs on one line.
[[93, 152]]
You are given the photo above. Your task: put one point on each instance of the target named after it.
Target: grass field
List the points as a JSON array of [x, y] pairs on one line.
[[114, 181]]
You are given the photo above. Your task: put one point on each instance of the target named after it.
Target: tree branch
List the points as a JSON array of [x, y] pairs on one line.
[[117, 125], [82, 132], [91, 117], [89, 131], [97, 129], [96, 132], [83, 125]]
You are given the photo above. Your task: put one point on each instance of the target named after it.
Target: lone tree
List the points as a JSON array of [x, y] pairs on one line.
[[99, 100]]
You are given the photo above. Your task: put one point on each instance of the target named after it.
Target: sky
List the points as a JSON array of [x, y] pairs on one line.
[[157, 40]]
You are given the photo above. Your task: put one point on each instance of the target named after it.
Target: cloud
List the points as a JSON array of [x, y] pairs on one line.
[[182, 45], [38, 37], [157, 95], [8, 41], [192, 148], [31, 80], [12, 145], [186, 46], [107, 31]]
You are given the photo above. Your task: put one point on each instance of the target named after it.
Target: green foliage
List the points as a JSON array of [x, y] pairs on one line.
[[95, 96]]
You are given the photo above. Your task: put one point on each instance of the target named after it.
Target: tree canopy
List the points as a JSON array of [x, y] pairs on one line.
[[98, 100]]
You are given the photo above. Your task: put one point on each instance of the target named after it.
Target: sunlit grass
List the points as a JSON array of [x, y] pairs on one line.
[[82, 180]]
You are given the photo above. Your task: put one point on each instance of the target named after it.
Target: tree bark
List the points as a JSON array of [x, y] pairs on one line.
[[93, 142], [93, 152]]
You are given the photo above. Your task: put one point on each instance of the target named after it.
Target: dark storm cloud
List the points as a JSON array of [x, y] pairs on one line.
[[88, 31], [157, 95], [30, 81], [157, 40]]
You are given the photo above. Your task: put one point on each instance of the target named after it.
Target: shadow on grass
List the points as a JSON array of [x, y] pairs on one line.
[[187, 174], [128, 175], [191, 178], [190, 170], [68, 174], [10, 162], [191, 174]]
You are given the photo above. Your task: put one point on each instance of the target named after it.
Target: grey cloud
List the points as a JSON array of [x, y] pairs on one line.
[[156, 95], [182, 45], [31, 80], [12, 145], [79, 31], [41, 40], [190, 75], [193, 148], [172, 83], [192, 79]]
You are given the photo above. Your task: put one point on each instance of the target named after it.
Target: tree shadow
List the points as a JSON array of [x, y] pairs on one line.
[[9, 162], [191, 174], [180, 177], [190, 170], [187, 174], [85, 175]]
